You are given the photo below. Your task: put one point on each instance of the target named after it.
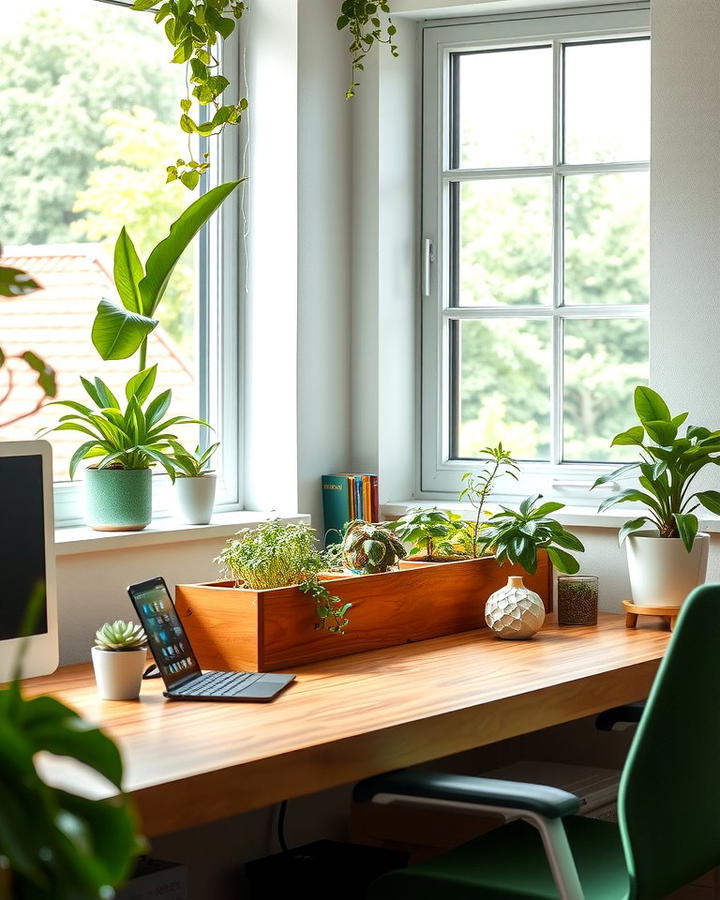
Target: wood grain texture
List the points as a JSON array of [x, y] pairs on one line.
[[233, 628], [345, 719]]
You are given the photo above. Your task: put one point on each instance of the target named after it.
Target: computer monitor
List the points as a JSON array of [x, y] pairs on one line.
[[27, 556]]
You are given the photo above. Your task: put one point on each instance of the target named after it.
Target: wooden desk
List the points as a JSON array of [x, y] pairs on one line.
[[191, 763]]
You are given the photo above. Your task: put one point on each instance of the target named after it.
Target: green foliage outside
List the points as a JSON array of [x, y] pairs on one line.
[[505, 364]]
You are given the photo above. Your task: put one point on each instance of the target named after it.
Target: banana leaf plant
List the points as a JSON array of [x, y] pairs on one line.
[[119, 331], [56, 845], [669, 464], [136, 437]]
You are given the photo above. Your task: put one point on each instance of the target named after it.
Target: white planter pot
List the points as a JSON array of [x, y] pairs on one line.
[[119, 672], [195, 498], [662, 572]]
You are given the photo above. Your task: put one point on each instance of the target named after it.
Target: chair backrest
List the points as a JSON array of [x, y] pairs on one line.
[[669, 800]]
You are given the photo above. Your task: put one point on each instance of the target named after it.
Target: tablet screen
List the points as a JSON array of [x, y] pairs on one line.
[[166, 636]]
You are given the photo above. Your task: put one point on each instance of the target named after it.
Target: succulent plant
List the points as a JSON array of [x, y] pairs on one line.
[[120, 636], [369, 548]]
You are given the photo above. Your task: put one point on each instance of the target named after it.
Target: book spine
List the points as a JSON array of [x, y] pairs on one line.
[[359, 511], [375, 498], [336, 506], [367, 499], [353, 498]]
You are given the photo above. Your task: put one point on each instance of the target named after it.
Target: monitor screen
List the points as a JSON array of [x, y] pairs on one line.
[[169, 643], [22, 543]]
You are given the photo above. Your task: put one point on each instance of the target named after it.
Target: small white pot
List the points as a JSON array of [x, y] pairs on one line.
[[514, 613], [195, 498], [119, 672], [662, 572]]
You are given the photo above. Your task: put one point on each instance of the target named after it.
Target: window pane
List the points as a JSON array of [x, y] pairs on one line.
[[88, 121], [607, 238], [604, 360], [505, 108], [607, 101], [502, 376], [505, 252]]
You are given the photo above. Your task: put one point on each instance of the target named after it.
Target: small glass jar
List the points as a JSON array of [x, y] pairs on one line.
[[577, 599]]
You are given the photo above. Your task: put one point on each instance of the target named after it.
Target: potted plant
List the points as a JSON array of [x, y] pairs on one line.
[[118, 659], [477, 487], [55, 844], [667, 555], [433, 535], [126, 441], [515, 612], [195, 482], [369, 549]]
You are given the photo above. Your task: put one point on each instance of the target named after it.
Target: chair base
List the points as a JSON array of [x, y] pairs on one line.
[[632, 612]]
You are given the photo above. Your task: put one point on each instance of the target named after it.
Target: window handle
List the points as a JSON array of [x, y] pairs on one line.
[[428, 260]]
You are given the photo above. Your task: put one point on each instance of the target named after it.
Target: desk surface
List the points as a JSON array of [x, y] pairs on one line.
[[344, 719]]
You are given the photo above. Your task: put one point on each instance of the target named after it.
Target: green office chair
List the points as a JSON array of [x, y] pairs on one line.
[[668, 804]]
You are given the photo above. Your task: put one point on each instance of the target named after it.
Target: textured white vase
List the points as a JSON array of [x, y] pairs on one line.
[[662, 572], [195, 498], [514, 613], [119, 672]]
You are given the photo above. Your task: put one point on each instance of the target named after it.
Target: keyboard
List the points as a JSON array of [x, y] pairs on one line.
[[217, 684]]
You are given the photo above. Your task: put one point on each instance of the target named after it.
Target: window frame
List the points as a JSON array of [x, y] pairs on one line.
[[439, 471], [219, 326]]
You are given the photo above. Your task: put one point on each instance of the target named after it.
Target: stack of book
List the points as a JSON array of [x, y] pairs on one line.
[[346, 497]]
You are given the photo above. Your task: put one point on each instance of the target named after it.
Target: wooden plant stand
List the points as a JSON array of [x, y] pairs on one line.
[[669, 613]]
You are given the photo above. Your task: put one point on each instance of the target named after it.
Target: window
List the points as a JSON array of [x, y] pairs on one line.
[[535, 224], [88, 122]]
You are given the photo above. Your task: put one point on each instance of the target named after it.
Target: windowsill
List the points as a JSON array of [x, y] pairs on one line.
[[579, 516], [71, 541]]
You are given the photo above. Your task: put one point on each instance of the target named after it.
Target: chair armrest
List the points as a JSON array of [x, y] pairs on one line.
[[549, 802]]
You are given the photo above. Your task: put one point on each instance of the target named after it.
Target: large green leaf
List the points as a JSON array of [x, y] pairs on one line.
[[117, 333], [687, 526], [663, 433], [562, 561], [164, 257], [710, 500], [15, 282], [650, 406], [631, 526], [633, 436], [141, 384], [128, 272]]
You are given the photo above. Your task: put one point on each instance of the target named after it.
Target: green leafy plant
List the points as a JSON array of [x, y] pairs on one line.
[[496, 462], [195, 28], [516, 536], [16, 283], [136, 437], [280, 554], [120, 636], [120, 331], [669, 463], [363, 21], [430, 532], [370, 549], [55, 845], [192, 463]]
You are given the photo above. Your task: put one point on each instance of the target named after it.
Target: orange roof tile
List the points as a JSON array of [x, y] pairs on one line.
[[55, 323]]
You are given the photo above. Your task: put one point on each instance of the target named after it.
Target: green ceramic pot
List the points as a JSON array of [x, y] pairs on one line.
[[118, 499]]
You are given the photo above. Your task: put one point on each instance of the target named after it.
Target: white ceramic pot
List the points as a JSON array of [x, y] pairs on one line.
[[195, 498], [662, 572], [119, 672], [514, 613]]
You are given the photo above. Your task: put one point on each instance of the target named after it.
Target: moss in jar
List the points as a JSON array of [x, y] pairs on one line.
[[577, 601]]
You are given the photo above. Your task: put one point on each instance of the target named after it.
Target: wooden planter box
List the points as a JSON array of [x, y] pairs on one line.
[[261, 631]]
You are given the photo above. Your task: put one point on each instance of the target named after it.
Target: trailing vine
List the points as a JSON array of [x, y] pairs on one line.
[[194, 29], [363, 21]]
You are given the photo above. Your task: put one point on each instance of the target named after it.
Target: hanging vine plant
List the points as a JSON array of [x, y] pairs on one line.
[[195, 28], [367, 28]]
